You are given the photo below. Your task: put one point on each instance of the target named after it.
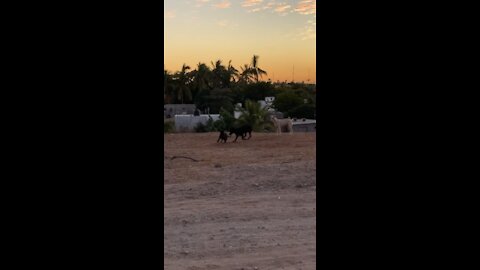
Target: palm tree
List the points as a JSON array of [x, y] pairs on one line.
[[255, 70], [201, 84], [201, 77], [183, 89], [232, 73], [168, 87], [255, 116], [245, 74], [219, 73]]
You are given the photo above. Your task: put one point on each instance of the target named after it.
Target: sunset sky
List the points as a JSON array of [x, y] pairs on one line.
[[282, 33]]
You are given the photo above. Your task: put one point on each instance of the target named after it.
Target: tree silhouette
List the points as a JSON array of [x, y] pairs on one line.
[[245, 74], [168, 87], [232, 73], [201, 78], [255, 70], [182, 87]]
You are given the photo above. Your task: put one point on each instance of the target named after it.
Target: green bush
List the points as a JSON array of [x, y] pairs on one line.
[[302, 111], [214, 100], [254, 116], [287, 101], [200, 128], [226, 120], [258, 91], [219, 125], [208, 127], [168, 126]]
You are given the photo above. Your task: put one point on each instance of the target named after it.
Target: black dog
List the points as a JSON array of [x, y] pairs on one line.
[[222, 137], [241, 131]]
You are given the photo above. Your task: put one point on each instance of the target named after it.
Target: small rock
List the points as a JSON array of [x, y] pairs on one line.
[[218, 165]]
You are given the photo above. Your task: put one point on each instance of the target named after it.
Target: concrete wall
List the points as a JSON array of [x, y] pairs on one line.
[[187, 123], [174, 109], [304, 126]]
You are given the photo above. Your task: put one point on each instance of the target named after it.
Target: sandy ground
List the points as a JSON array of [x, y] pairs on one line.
[[244, 205]]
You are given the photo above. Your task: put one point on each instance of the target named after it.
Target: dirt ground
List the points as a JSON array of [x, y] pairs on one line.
[[244, 205]]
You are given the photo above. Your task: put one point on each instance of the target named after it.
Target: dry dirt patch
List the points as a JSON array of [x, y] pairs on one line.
[[243, 205]]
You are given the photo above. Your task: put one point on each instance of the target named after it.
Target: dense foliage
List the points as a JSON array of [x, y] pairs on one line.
[[168, 126], [208, 127], [306, 111], [217, 87], [254, 116]]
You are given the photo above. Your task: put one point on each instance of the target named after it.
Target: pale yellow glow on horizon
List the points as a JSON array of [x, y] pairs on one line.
[[205, 34]]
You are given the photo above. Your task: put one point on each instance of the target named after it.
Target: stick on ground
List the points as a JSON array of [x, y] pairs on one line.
[[174, 157]]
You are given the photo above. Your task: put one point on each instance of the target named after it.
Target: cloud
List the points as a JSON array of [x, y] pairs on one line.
[[255, 10], [169, 14], [250, 3], [224, 4], [309, 31], [269, 5], [306, 7], [201, 2], [282, 9], [309, 34]]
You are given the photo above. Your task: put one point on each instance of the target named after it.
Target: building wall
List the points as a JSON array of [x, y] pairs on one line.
[[187, 123], [173, 109], [305, 126]]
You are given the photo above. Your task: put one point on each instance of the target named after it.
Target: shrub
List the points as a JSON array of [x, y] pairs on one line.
[[302, 111], [254, 116], [226, 120], [168, 126], [258, 91], [208, 127], [200, 127], [287, 101]]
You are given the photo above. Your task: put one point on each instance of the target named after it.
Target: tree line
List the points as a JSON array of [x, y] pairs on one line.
[[218, 86]]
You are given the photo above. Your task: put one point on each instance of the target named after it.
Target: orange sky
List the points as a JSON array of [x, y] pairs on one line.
[[281, 33]]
